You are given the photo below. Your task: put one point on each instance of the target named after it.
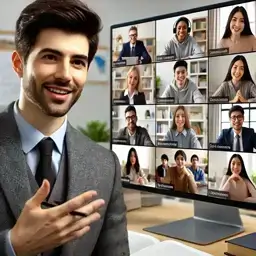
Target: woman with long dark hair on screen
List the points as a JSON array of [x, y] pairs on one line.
[[181, 131], [238, 85], [132, 94], [180, 177], [238, 36], [237, 182], [132, 168]]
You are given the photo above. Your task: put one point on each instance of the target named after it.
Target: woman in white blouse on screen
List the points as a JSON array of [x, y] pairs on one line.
[[132, 94], [132, 168], [237, 182]]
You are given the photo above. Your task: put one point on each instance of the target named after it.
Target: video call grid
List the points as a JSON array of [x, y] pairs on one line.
[[212, 146]]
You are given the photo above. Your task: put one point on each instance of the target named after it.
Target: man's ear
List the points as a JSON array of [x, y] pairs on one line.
[[17, 64]]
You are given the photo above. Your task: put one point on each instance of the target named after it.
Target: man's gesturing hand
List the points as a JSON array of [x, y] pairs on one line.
[[38, 230]]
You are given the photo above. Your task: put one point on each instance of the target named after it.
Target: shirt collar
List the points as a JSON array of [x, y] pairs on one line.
[[184, 132], [240, 134], [30, 136], [127, 94]]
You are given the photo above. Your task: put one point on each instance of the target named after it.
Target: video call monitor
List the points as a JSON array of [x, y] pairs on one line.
[[183, 94]]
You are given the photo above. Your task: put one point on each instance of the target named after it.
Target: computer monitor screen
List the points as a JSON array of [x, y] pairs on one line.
[[183, 95]]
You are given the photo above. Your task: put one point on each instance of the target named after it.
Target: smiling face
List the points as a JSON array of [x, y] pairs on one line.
[[180, 161], [180, 119], [237, 120], [182, 30], [237, 23], [55, 72], [236, 166], [180, 76], [133, 80], [237, 71]]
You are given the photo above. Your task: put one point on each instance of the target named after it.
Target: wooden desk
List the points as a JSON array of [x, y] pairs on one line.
[[156, 215]]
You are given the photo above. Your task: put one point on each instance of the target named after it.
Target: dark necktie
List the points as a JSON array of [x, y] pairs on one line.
[[44, 168], [238, 149], [133, 52]]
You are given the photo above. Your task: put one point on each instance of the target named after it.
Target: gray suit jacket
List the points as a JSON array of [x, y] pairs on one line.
[[90, 167]]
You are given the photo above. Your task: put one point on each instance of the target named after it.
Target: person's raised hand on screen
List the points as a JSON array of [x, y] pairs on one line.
[[235, 177], [38, 230]]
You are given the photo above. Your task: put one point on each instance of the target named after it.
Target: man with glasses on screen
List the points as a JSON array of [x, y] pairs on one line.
[[135, 48], [238, 138], [133, 134]]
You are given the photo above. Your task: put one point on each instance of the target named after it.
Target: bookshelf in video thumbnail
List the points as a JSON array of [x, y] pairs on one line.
[[184, 102]]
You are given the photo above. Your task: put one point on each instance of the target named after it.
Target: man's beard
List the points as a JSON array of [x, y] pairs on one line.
[[49, 108]]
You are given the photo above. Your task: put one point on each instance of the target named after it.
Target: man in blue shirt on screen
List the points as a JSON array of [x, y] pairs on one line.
[[197, 171]]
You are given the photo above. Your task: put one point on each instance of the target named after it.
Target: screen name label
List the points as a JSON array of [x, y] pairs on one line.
[[218, 194], [162, 58], [216, 146], [219, 51], [119, 63], [169, 144], [218, 100], [165, 186], [165, 101]]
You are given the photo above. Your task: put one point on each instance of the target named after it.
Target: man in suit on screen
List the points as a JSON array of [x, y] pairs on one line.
[[135, 48], [238, 138], [43, 159]]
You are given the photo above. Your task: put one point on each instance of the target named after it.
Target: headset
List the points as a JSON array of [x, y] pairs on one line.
[[186, 20]]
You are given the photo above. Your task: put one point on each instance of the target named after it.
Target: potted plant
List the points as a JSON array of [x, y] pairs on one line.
[[158, 85], [97, 131]]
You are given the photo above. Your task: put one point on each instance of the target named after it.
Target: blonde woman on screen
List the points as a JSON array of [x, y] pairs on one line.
[[179, 176], [132, 94], [237, 182], [132, 168], [181, 131], [238, 85], [238, 36]]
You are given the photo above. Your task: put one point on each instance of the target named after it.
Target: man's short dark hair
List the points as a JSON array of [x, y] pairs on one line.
[[133, 28], [180, 63], [236, 108], [164, 157], [71, 16], [130, 108], [194, 156]]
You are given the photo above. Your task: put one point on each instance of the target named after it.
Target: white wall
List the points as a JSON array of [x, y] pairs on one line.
[[146, 156], [111, 12], [170, 152], [218, 163], [218, 69]]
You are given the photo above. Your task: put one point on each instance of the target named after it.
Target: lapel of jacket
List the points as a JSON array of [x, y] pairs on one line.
[[231, 138], [14, 171], [81, 169]]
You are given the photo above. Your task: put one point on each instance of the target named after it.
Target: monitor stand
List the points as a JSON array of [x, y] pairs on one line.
[[211, 223]]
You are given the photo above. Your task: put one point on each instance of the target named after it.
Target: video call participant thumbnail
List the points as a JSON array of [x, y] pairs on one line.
[[180, 177], [161, 170], [181, 132], [132, 168], [132, 94], [238, 85], [237, 182], [238, 36], [135, 48], [182, 89], [133, 134], [197, 171], [183, 45], [237, 138]]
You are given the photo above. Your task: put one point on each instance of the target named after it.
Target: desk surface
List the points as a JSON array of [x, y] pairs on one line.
[[156, 215]]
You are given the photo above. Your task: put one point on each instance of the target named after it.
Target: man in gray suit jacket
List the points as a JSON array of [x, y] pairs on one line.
[[55, 44]]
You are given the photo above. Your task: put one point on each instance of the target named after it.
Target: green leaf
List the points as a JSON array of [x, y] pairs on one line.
[[96, 130]]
